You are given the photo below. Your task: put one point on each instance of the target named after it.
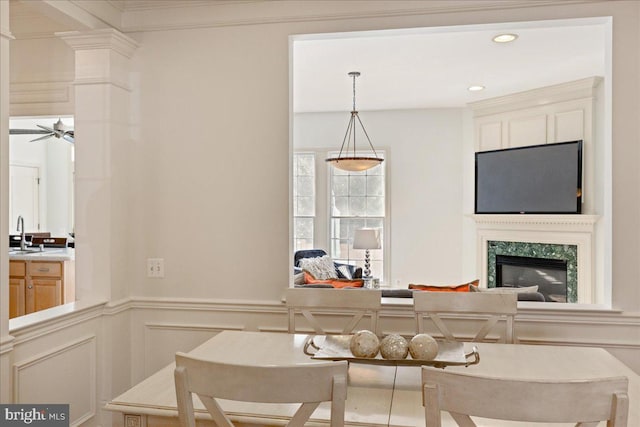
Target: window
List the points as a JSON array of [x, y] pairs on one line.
[[357, 200], [330, 204], [304, 200]]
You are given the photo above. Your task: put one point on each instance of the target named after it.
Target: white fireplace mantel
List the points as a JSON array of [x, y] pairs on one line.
[[576, 230]]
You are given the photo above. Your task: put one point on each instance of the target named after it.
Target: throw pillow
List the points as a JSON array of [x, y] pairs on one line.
[[336, 283], [298, 279], [320, 267], [445, 288], [310, 279], [505, 289], [345, 283], [344, 270]]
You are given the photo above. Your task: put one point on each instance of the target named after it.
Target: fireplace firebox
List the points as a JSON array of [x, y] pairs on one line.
[[550, 275]]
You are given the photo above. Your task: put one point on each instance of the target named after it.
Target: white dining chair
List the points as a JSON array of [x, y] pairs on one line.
[[451, 304], [585, 402], [308, 384], [356, 303]]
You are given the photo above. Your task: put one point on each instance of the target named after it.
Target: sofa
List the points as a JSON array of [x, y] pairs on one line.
[[355, 272]]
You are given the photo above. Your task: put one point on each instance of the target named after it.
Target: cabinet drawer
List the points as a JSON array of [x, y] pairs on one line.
[[17, 268], [45, 269]]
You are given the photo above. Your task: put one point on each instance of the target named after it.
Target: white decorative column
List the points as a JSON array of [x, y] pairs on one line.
[[6, 341], [102, 105]]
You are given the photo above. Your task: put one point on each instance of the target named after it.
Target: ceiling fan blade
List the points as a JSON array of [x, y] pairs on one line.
[[59, 130], [27, 132], [42, 137], [46, 128]]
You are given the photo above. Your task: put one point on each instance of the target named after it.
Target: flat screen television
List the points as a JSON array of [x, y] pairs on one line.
[[538, 179]]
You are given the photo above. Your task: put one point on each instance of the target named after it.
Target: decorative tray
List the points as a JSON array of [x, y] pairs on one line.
[[336, 347]]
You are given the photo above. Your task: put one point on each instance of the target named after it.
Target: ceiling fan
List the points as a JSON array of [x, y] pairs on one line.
[[59, 130]]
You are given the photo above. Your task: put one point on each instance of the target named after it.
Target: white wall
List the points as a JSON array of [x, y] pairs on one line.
[[209, 181], [424, 151], [207, 185], [213, 150]]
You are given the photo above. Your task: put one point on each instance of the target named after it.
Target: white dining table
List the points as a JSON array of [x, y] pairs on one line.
[[377, 395]]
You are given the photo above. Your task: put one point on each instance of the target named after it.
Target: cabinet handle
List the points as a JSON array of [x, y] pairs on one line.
[[30, 287], [43, 269]]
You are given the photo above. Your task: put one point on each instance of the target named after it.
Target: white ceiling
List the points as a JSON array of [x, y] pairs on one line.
[[432, 67]]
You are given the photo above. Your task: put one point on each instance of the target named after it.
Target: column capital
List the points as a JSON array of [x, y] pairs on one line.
[[108, 38]]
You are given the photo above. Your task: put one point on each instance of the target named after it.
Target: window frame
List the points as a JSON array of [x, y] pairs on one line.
[[294, 196], [322, 228]]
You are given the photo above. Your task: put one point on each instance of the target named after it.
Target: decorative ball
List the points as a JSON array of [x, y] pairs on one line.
[[394, 346], [364, 344], [423, 347]]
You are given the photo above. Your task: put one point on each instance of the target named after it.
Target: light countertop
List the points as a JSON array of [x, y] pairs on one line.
[[49, 254]]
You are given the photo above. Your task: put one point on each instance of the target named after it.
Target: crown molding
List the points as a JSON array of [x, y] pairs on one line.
[[159, 15], [100, 39], [577, 89], [140, 5], [154, 15]]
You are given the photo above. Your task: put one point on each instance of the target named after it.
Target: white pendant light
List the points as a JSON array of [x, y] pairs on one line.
[[348, 159]]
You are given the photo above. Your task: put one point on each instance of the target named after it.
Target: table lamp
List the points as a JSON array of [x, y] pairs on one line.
[[366, 238]]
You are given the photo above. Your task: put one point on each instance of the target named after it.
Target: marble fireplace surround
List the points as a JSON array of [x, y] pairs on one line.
[[578, 230]]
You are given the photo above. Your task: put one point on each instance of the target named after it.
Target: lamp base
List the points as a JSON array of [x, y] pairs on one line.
[[371, 283], [367, 264]]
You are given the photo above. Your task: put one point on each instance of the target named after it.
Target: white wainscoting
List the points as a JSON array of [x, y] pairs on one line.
[[45, 378], [61, 356], [182, 337], [86, 358], [155, 341]]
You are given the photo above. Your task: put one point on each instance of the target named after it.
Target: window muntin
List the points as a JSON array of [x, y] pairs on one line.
[[304, 200]]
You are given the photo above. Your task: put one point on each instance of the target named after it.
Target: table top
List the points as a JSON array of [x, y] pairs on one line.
[[377, 395]]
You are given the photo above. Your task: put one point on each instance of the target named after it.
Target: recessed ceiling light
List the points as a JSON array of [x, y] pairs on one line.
[[505, 38], [475, 88]]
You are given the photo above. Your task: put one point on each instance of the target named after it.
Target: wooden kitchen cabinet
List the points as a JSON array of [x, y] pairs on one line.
[[38, 285], [17, 286]]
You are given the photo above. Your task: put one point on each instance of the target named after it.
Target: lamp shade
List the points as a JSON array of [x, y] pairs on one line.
[[366, 238]]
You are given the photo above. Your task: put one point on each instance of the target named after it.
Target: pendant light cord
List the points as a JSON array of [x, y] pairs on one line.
[[354, 90]]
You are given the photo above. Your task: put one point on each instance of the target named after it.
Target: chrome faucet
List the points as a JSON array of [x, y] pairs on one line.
[[23, 240]]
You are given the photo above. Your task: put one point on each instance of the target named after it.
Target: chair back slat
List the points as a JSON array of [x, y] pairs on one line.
[[357, 303], [438, 305], [266, 384], [570, 401], [465, 302]]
